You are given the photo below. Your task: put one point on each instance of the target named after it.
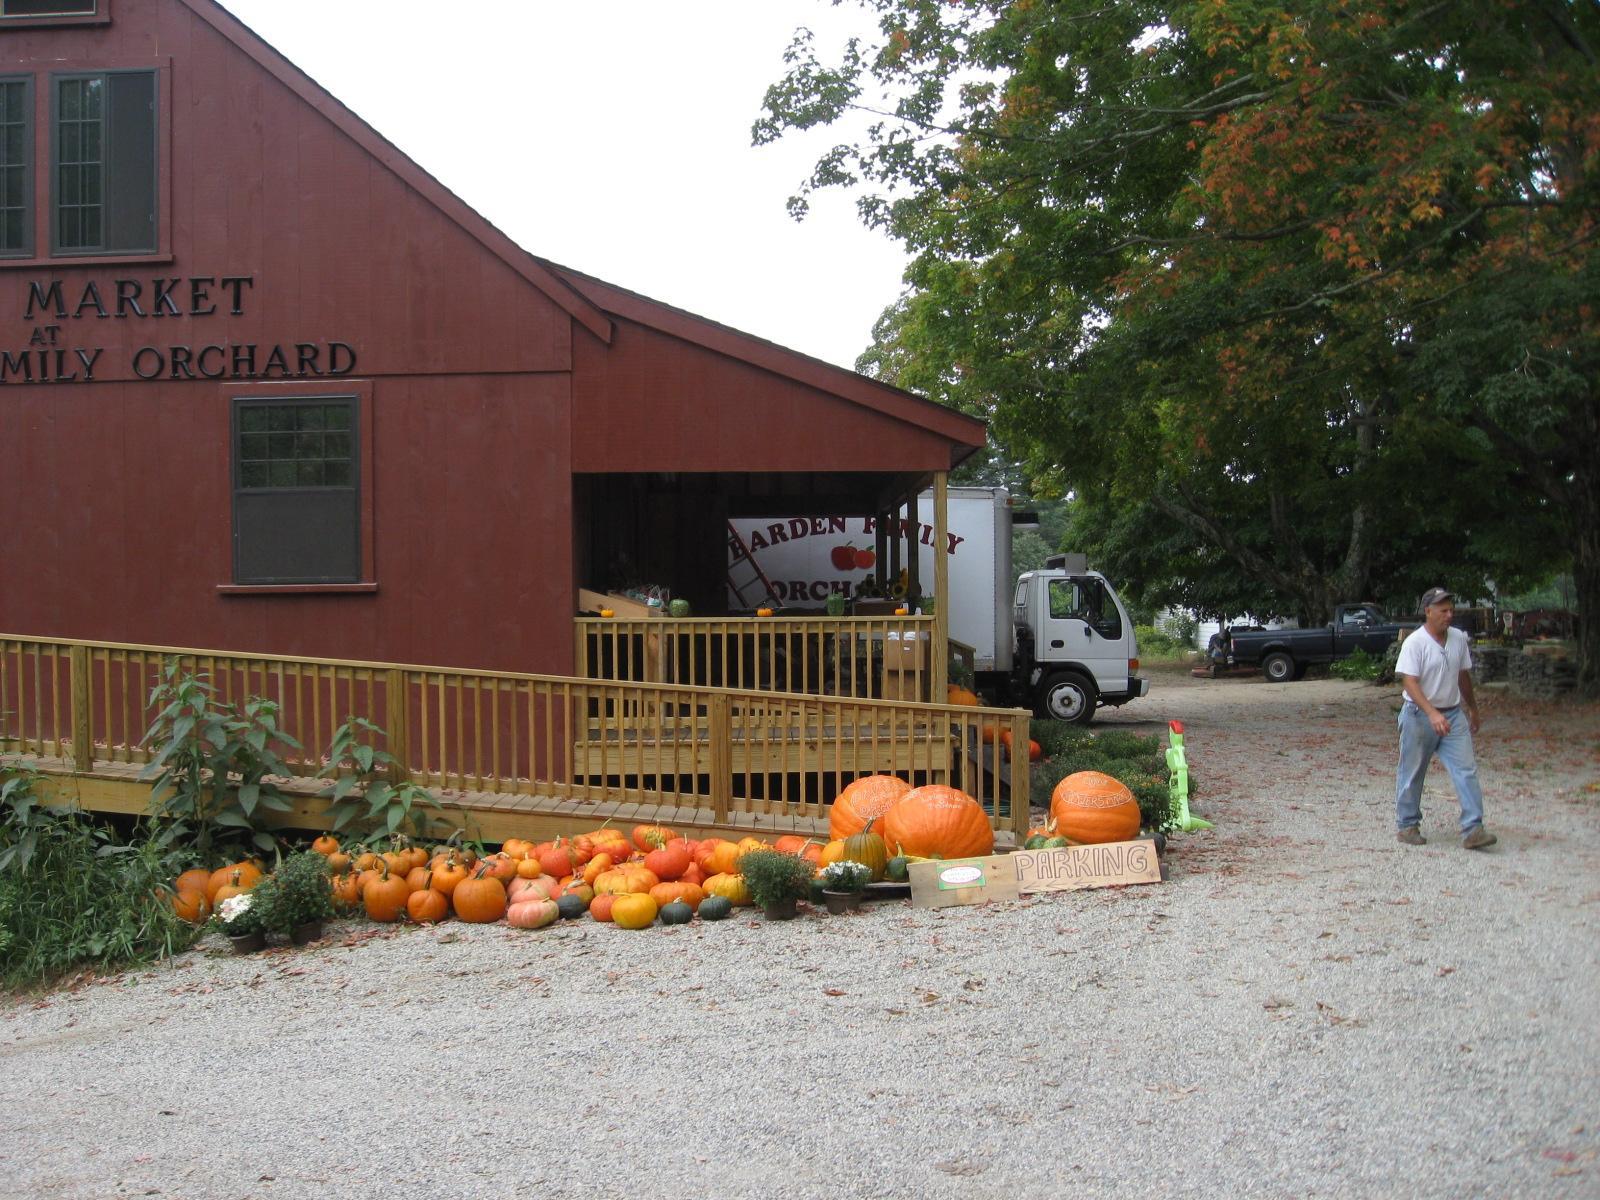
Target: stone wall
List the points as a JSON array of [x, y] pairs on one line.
[[1542, 676]]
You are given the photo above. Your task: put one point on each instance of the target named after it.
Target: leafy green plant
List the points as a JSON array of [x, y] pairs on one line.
[[81, 897], [23, 820], [211, 765], [1358, 666], [364, 802], [846, 876], [1156, 646], [773, 876], [304, 893]]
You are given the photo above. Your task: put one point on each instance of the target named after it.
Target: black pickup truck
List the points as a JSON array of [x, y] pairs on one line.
[[1284, 654]]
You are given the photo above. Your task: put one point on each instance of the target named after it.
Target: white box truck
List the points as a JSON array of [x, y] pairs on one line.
[[1060, 641]]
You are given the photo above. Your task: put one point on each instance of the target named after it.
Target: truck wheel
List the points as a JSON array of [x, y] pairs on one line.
[[1067, 697], [1278, 667]]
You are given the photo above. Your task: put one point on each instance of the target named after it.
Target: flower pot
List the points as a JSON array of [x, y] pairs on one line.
[[309, 932], [781, 910], [247, 943], [841, 902]]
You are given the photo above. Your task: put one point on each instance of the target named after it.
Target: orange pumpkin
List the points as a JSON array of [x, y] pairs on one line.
[[630, 878], [499, 866], [191, 905], [418, 877], [532, 889], [789, 843], [326, 844], [1035, 751], [652, 837], [426, 906], [956, 694], [719, 856], [196, 880], [229, 889], [449, 875], [833, 852], [517, 848], [597, 866], [347, 890], [669, 862], [935, 821], [338, 862], [866, 799], [748, 844], [665, 893], [241, 875], [479, 900], [1090, 807], [385, 896], [557, 860], [529, 868], [990, 733], [600, 906]]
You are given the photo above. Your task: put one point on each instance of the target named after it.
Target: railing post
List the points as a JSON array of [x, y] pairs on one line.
[[82, 735], [721, 750], [397, 709], [1021, 792]]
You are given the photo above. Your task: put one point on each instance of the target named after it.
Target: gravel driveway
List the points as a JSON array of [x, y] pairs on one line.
[[1304, 1009]]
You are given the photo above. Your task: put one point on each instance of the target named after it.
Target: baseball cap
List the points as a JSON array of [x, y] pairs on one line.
[[1434, 595]]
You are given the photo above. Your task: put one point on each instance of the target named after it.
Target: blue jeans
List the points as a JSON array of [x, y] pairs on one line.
[[1418, 744]]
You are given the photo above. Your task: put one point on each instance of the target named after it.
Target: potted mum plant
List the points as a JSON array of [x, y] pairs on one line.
[[843, 883], [776, 881], [241, 920], [305, 897]]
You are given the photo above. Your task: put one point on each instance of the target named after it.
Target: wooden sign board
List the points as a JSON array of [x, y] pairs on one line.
[[963, 881], [1071, 868]]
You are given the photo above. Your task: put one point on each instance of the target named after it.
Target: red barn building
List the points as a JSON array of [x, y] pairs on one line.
[[266, 385]]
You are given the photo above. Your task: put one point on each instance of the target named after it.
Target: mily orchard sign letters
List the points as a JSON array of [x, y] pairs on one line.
[[56, 311]]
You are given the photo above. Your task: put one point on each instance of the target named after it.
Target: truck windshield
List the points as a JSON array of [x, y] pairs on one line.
[[1362, 614]]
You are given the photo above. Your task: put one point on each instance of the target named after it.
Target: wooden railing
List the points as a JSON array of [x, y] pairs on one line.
[[887, 658], [723, 751]]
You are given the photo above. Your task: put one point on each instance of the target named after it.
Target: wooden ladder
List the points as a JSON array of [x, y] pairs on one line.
[[742, 557]]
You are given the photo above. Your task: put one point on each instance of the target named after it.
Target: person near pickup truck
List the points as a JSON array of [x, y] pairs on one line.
[[1439, 716]]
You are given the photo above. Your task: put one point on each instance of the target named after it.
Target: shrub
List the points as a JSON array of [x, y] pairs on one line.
[[1155, 645], [78, 896], [1359, 665]]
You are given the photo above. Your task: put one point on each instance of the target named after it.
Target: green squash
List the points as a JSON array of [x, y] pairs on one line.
[[715, 908], [1054, 843], [678, 608], [571, 907], [867, 848], [1036, 842], [676, 912], [899, 869]]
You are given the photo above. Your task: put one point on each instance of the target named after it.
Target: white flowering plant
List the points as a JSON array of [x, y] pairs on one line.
[[239, 915], [845, 876]]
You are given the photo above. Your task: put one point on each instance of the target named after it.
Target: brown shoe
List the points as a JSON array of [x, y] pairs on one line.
[[1478, 839], [1411, 836]]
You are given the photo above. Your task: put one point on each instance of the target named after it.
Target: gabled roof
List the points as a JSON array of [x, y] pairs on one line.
[[392, 157], [769, 356], [586, 299]]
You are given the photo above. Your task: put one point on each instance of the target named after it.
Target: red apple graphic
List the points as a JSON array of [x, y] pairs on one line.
[[844, 557], [865, 559]]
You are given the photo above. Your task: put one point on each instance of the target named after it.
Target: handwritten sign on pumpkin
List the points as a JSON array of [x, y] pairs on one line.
[[1072, 868]]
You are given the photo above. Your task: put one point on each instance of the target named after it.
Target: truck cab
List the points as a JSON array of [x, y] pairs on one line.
[[1075, 645]]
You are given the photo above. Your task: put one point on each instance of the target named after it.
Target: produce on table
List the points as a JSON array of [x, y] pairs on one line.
[[1089, 807]]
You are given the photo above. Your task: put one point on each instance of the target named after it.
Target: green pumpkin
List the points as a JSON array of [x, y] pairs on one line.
[[679, 608], [835, 604], [715, 908], [571, 907], [867, 848], [676, 912], [899, 868], [1054, 843], [1037, 842]]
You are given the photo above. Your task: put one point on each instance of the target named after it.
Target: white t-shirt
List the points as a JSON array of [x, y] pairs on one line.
[[1437, 668]]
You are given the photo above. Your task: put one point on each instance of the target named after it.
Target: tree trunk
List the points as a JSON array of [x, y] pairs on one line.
[[1586, 576]]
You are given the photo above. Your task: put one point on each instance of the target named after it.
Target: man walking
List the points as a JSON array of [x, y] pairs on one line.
[[1439, 716]]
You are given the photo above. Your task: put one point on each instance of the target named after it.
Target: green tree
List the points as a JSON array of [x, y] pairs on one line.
[[1300, 293]]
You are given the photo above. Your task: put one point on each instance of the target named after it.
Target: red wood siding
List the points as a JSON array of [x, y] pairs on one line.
[[652, 402]]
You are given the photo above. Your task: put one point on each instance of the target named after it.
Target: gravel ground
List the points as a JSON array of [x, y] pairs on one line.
[[1304, 1009]]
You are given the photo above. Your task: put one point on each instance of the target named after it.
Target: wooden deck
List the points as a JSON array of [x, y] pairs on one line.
[[509, 755]]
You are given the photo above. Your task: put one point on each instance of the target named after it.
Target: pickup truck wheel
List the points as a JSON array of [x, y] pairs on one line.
[[1067, 697], [1278, 667]]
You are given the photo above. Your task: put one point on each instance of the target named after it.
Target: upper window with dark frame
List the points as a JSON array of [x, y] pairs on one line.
[[16, 163], [49, 8], [296, 491], [105, 163]]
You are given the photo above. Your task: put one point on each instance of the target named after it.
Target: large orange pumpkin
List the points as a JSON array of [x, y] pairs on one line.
[[1089, 807], [479, 900], [956, 694], [191, 905], [935, 821], [242, 875], [730, 887], [867, 799], [665, 893], [722, 858]]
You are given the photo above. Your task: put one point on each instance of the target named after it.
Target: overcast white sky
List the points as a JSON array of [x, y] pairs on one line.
[[614, 137]]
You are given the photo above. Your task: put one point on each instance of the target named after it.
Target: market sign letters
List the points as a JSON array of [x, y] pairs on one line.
[[51, 306]]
